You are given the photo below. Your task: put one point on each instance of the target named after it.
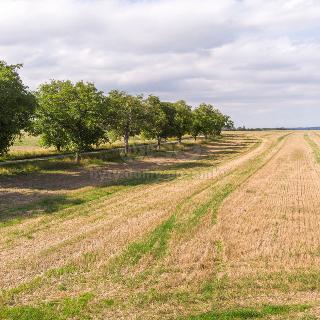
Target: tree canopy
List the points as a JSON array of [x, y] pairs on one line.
[[17, 105], [207, 120], [128, 115], [182, 119], [71, 116], [157, 120]]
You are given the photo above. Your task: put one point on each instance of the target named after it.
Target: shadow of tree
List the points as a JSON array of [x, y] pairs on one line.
[[106, 178], [47, 205], [55, 203]]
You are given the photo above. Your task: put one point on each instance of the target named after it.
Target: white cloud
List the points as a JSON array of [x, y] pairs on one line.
[[257, 60]]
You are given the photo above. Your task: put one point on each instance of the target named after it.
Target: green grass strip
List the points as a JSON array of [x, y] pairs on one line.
[[251, 313], [67, 308], [315, 148]]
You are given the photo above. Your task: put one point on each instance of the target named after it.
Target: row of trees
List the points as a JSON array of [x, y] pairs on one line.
[[77, 116]]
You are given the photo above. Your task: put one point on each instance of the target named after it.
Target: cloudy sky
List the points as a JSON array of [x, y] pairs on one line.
[[257, 60]]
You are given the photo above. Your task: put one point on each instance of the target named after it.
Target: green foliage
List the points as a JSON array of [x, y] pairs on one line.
[[70, 116], [170, 111], [196, 125], [182, 119], [166, 119], [208, 121], [16, 105], [76, 116], [128, 115], [157, 120], [229, 124]]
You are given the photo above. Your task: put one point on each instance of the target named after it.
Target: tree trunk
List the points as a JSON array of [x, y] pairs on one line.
[[78, 157], [195, 138], [179, 139], [205, 137], [126, 143], [158, 143]]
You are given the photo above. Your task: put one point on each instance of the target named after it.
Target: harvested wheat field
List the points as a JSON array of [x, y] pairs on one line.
[[220, 229]]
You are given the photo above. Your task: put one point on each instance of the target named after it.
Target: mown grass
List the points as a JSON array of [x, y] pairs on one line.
[[155, 243], [214, 289], [223, 188], [159, 239], [315, 148], [223, 293], [224, 290], [84, 306], [67, 308], [69, 206], [251, 313], [282, 281], [220, 190], [56, 203]]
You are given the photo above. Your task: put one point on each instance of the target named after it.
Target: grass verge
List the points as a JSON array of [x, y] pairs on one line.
[[251, 313]]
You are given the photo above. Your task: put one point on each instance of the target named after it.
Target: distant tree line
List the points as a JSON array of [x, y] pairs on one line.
[[77, 116], [264, 129]]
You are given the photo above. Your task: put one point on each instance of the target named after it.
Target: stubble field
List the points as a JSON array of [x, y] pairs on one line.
[[221, 229]]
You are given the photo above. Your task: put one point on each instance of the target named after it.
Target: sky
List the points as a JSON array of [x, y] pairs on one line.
[[256, 60]]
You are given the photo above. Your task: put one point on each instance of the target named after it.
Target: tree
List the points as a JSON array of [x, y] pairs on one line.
[[196, 125], [209, 120], [157, 119], [228, 123], [71, 116], [170, 111], [52, 135], [182, 119], [17, 105], [128, 115], [219, 121]]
